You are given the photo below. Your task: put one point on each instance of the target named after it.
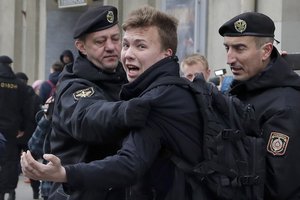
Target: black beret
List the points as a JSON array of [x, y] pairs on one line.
[[96, 19], [5, 60], [249, 24]]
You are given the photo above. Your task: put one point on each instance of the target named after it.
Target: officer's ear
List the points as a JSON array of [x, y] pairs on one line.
[[267, 50], [80, 46]]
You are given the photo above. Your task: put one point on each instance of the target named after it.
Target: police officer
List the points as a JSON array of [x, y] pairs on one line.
[[80, 133], [13, 121], [264, 79]]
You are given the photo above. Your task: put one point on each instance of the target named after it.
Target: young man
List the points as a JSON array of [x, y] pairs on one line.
[[194, 64], [264, 79], [80, 132], [148, 55]]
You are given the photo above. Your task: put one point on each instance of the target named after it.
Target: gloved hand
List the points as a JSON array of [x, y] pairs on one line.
[[136, 112]]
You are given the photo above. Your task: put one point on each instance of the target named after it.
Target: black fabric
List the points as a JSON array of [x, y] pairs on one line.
[[275, 94], [248, 24], [5, 60], [96, 19], [234, 164]]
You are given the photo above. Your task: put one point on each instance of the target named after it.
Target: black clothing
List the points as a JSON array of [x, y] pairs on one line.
[[46, 87], [14, 100], [173, 123], [80, 132], [35, 106], [275, 94]]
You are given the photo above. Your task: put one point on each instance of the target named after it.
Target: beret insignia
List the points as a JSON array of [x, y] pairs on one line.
[[277, 143], [88, 92], [240, 25], [110, 16]]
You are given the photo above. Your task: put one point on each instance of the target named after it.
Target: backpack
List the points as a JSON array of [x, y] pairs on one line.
[[234, 151]]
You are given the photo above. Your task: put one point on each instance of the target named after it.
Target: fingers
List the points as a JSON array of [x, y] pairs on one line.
[[30, 167], [53, 159]]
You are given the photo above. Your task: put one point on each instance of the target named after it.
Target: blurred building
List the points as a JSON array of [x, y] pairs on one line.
[[35, 32]]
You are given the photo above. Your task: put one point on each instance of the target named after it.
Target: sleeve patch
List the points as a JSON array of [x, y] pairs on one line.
[[88, 92], [277, 143]]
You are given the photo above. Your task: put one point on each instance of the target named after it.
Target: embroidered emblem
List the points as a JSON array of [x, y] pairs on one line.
[[240, 25], [83, 93], [277, 143], [110, 17]]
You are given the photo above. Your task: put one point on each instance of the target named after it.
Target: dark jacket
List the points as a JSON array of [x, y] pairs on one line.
[[14, 101], [173, 123], [85, 126], [35, 106], [46, 87], [2, 146], [275, 94]]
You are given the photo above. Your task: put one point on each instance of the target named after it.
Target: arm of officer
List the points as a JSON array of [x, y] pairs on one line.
[[93, 119], [283, 164]]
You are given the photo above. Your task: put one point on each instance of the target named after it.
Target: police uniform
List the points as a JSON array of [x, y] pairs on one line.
[[14, 108], [275, 94], [82, 131]]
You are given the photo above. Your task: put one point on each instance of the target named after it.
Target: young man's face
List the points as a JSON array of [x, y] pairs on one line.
[[141, 49], [102, 48], [190, 71], [244, 57]]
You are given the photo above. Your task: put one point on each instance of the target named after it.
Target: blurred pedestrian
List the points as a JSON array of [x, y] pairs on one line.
[[194, 64], [35, 107], [48, 87], [14, 121], [66, 57], [36, 85]]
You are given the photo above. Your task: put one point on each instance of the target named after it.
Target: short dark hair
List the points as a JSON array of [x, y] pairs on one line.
[[57, 66]]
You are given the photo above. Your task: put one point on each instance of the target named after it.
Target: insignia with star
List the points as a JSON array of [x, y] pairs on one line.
[[83, 93]]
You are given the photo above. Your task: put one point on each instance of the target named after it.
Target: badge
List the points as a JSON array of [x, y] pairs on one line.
[[83, 93], [277, 143], [240, 25], [110, 17]]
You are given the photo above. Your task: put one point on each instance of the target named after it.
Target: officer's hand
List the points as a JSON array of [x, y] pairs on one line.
[[136, 112], [53, 171]]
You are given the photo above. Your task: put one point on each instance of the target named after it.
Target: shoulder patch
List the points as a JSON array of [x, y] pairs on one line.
[[88, 92], [277, 143]]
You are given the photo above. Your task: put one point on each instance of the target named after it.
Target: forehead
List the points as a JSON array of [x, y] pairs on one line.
[[145, 33], [198, 66], [245, 40], [114, 30]]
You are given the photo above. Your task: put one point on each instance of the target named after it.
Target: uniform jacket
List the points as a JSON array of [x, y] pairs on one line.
[[80, 132], [14, 99], [275, 94], [173, 123], [14, 109]]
